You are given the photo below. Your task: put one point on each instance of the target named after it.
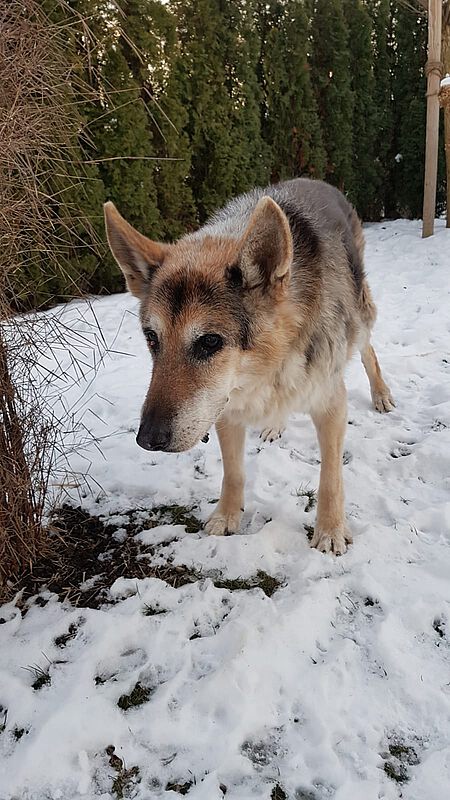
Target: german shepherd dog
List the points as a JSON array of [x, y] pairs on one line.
[[248, 319]]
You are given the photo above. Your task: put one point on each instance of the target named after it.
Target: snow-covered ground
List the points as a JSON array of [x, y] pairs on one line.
[[337, 686]]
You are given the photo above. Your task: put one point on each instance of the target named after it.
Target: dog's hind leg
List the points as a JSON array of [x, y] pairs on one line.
[[227, 516], [330, 532], [381, 395]]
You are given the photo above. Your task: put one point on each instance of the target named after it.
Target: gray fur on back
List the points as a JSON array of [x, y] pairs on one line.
[[317, 201]]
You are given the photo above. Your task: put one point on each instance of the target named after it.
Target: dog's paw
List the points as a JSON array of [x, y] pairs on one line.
[[221, 524], [270, 434], [331, 541], [383, 400]]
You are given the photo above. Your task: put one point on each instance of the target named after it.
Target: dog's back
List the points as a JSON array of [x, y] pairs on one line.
[[322, 223], [324, 206]]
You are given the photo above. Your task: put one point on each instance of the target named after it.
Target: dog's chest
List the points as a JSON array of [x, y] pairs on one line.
[[266, 396]]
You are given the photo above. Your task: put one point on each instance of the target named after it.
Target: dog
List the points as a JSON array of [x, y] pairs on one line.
[[250, 318]]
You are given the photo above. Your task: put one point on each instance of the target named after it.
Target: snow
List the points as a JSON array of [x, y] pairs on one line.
[[307, 689]]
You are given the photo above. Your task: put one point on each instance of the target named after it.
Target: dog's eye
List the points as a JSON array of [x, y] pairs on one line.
[[152, 339], [207, 345]]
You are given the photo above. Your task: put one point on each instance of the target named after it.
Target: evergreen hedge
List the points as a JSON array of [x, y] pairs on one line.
[[196, 100]]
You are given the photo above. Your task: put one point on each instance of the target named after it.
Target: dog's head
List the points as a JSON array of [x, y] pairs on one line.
[[205, 302]]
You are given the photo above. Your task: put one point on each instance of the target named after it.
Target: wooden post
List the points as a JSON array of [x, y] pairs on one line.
[[433, 70], [446, 106]]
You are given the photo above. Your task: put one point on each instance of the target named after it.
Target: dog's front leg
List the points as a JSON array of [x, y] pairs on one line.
[[227, 516], [330, 532]]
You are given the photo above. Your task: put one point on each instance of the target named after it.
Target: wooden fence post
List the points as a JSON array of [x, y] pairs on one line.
[[433, 70], [445, 103]]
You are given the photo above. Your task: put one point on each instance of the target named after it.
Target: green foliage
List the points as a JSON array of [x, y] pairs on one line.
[[220, 91], [290, 121], [155, 61], [383, 58], [177, 106], [409, 89], [330, 62], [364, 184]]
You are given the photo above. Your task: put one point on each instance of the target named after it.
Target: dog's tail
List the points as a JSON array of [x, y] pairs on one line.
[[368, 308]]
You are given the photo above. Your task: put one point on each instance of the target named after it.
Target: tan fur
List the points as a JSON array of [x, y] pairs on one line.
[[134, 252], [330, 534], [287, 322], [227, 516]]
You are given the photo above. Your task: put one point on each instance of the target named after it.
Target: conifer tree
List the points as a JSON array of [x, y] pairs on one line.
[[331, 80], [150, 46], [290, 119], [115, 130], [123, 137], [241, 51], [409, 87], [204, 94], [384, 47], [364, 185], [220, 91]]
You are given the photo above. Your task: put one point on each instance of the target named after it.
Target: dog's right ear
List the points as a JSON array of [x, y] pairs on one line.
[[136, 255]]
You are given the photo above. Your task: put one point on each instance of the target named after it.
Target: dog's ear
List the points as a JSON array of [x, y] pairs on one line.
[[136, 255], [267, 249]]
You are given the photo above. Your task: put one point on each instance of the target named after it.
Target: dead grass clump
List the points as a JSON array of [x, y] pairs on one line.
[[39, 234]]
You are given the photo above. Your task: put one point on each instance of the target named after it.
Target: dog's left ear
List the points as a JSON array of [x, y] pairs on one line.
[[136, 255], [267, 249]]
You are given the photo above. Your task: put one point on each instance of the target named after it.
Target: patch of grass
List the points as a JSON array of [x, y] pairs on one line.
[[258, 753], [139, 695], [153, 611], [396, 772], [399, 757], [62, 640], [310, 494], [404, 753], [278, 793], [41, 676], [309, 532], [42, 679], [178, 515], [262, 752], [85, 548], [180, 788], [261, 580], [87, 558], [125, 778]]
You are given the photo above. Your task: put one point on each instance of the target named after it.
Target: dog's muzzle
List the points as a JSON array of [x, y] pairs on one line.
[[154, 434]]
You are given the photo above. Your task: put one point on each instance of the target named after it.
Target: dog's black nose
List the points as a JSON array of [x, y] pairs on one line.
[[154, 435]]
